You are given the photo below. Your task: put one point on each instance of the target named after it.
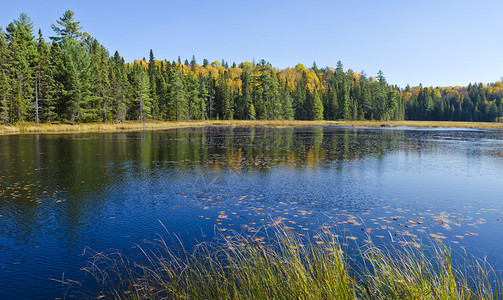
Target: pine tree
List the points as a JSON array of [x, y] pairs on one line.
[[76, 71], [70, 29]]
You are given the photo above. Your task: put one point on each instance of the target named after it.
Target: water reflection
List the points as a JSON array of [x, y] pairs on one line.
[[62, 193]]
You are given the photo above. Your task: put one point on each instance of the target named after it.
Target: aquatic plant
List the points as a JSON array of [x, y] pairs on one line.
[[283, 265]]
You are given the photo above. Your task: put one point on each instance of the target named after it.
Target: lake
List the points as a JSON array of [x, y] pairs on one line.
[[64, 197]]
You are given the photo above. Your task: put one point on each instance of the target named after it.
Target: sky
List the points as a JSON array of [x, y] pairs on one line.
[[432, 42]]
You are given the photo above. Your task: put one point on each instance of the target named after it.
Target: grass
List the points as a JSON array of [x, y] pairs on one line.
[[157, 125], [285, 266]]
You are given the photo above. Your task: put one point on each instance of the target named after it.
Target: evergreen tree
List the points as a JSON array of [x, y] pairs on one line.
[[300, 95], [342, 87], [331, 112], [101, 107], [193, 64], [391, 105], [204, 95], [288, 112], [194, 102], [244, 108], [380, 96], [177, 101], [76, 71], [141, 109], [223, 98], [52, 89], [75, 78], [317, 109], [120, 87], [70, 29], [4, 80], [46, 75], [153, 74], [23, 55]]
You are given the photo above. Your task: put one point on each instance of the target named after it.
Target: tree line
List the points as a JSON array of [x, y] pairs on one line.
[[73, 78]]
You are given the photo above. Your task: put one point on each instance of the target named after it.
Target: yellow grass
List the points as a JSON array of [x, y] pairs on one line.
[[155, 125]]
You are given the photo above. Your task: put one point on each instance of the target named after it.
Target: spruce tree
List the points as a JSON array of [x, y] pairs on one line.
[[46, 74], [193, 64], [223, 98], [204, 95], [23, 57], [245, 104], [101, 87], [52, 92], [194, 105], [120, 87], [287, 105], [153, 72], [4, 80], [177, 100]]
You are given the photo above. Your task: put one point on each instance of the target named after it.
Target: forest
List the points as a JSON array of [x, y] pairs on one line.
[[73, 78]]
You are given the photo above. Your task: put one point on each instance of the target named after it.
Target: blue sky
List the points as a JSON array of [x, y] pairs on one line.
[[436, 43]]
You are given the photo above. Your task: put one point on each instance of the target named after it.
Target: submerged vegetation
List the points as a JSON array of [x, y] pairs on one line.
[[74, 79], [286, 266]]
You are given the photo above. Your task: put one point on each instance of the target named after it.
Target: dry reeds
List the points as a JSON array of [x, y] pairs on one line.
[[158, 125]]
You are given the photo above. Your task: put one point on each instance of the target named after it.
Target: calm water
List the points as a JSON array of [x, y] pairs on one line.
[[65, 196]]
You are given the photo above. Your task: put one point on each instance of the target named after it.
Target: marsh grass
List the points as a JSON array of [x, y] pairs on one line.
[[284, 266], [27, 127], [424, 271]]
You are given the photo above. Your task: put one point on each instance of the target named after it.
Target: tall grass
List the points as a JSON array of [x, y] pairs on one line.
[[284, 266], [424, 272]]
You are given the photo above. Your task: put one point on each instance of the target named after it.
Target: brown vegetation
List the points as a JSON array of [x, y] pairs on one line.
[[152, 125]]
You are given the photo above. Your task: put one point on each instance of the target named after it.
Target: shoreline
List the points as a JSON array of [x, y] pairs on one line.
[[32, 128]]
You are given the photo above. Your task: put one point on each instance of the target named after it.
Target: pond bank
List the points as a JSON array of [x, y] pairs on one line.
[[28, 128]]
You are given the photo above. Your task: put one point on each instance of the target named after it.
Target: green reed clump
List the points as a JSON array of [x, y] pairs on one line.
[[284, 266], [416, 271]]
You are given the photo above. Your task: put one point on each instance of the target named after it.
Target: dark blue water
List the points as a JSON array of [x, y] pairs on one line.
[[65, 197]]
